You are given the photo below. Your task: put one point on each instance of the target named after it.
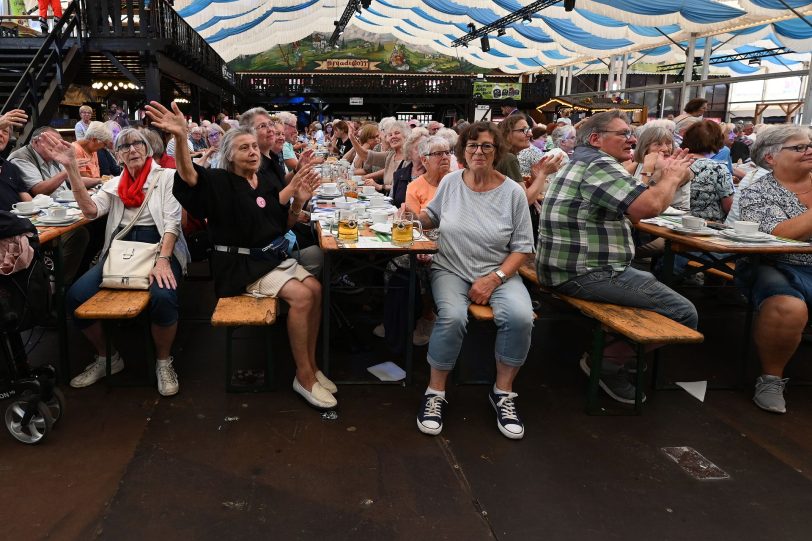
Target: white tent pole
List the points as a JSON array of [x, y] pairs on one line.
[[610, 81], [807, 118], [687, 74], [624, 69], [569, 80], [706, 57], [558, 80]]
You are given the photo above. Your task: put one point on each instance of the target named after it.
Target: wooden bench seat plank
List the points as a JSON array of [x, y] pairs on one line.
[[716, 272], [114, 304], [481, 312], [244, 310]]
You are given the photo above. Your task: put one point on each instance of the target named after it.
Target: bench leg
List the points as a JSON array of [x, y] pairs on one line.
[[638, 391], [269, 368], [229, 334], [598, 340], [108, 348]]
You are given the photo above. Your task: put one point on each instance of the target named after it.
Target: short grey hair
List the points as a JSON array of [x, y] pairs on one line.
[[596, 124], [449, 135], [561, 132], [431, 143], [247, 118], [399, 125], [287, 117], [414, 137], [684, 123], [227, 145], [649, 136], [131, 135], [771, 139], [662, 123], [97, 130], [385, 122]]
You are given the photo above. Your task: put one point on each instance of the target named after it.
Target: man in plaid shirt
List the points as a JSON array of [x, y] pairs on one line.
[[585, 244]]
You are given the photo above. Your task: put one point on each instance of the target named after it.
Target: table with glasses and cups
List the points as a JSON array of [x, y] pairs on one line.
[[358, 225]]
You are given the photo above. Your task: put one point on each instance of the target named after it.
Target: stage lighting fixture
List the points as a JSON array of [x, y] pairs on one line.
[[501, 32], [526, 20], [486, 44], [569, 5]]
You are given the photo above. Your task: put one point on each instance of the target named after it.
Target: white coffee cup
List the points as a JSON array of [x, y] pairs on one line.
[[329, 188], [58, 212], [368, 190], [378, 216], [378, 202], [24, 206], [743, 227], [66, 195], [693, 222]]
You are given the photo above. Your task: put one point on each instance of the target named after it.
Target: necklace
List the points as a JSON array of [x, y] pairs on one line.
[[803, 193]]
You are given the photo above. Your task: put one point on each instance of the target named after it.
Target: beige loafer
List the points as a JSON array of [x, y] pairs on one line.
[[326, 382], [318, 396]]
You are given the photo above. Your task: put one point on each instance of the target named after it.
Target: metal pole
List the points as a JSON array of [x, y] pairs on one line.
[[706, 57], [624, 70], [558, 80], [610, 81], [569, 80]]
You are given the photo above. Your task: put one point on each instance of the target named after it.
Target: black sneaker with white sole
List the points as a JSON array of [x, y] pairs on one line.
[[430, 414], [507, 418], [614, 381]]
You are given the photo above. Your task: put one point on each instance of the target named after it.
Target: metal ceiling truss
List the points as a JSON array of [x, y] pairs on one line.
[[352, 7], [752, 55], [519, 14]]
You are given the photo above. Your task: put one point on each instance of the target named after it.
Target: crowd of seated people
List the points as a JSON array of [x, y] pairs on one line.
[[567, 195]]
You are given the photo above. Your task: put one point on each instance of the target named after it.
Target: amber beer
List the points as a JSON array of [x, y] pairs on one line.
[[403, 229], [348, 228]]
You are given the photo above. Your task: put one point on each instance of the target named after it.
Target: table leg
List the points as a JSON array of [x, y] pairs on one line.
[[325, 315], [667, 274], [410, 317]]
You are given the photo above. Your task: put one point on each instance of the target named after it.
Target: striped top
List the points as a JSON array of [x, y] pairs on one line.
[[583, 227], [479, 229]]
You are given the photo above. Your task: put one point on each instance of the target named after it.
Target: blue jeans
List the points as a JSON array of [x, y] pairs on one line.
[[163, 302], [632, 287], [512, 314], [770, 279]]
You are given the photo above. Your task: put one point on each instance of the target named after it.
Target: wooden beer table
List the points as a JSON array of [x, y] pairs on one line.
[[375, 252]]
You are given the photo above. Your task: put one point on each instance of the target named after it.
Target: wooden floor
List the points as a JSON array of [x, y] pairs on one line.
[[126, 464]]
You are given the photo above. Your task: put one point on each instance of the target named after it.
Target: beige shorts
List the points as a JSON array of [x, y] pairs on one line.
[[270, 284]]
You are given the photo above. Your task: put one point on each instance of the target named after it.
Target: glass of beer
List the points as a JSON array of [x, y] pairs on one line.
[[403, 226], [347, 226], [350, 189]]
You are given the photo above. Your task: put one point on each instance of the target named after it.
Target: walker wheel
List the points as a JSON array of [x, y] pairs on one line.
[[38, 426], [56, 405]]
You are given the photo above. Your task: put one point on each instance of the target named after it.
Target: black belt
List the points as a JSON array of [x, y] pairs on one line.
[[232, 249]]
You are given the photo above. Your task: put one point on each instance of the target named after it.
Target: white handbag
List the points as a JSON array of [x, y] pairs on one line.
[[129, 263]]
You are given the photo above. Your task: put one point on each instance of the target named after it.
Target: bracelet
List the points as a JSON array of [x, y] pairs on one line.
[[295, 212], [167, 257]]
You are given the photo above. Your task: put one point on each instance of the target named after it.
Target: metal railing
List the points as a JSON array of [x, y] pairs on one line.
[[46, 67]]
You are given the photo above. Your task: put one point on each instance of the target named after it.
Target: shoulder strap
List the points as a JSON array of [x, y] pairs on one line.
[[123, 232]]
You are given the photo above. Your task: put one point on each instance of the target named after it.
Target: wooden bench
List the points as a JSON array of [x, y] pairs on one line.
[[235, 312], [715, 272], [117, 304], [643, 327]]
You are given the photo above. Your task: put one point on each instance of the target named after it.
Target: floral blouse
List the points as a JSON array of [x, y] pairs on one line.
[[767, 202], [711, 183], [527, 158]]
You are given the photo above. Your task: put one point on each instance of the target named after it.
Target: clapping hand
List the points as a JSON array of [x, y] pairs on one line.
[[60, 150], [678, 165], [548, 165], [172, 122], [306, 157], [15, 118]]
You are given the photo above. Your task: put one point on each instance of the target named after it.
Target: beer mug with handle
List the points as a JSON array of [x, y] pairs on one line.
[[347, 222], [403, 226]]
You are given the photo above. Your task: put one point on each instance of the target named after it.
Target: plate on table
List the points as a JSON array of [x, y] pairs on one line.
[[746, 237], [704, 232], [323, 195], [65, 199], [48, 220], [26, 214], [671, 211]]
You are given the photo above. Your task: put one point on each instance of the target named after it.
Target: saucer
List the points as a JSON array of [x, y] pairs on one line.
[[671, 211], [25, 214], [746, 237], [704, 232], [47, 220]]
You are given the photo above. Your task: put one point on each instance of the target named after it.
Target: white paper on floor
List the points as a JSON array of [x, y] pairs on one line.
[[387, 371], [696, 389]]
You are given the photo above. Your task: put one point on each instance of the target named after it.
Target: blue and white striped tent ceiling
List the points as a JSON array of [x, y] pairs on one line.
[[595, 29]]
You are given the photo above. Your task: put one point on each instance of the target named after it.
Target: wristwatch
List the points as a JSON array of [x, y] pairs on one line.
[[502, 276]]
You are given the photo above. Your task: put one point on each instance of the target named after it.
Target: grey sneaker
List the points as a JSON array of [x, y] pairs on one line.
[[97, 370], [167, 379], [614, 381], [770, 394]]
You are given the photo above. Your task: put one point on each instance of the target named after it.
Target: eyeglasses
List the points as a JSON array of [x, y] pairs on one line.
[[291, 126], [125, 147], [523, 130], [439, 153], [486, 148], [798, 148], [626, 134], [263, 126], [214, 135]]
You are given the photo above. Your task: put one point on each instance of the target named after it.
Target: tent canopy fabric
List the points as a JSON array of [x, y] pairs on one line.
[[642, 29]]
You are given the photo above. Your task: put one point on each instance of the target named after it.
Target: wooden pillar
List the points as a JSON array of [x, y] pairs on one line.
[[152, 90]]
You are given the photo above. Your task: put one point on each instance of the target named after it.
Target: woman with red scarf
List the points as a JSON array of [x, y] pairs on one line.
[[120, 199]]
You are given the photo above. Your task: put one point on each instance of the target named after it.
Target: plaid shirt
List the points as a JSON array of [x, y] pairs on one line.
[[582, 227]]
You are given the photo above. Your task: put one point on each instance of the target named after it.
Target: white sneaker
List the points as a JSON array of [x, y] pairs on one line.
[[317, 396], [422, 332], [326, 382], [167, 378], [379, 331], [97, 370]]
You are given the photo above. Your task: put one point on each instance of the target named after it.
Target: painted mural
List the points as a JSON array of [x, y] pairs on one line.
[[358, 51]]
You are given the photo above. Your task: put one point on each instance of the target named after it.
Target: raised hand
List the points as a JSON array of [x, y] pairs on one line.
[[60, 150], [172, 122], [548, 165], [15, 118]]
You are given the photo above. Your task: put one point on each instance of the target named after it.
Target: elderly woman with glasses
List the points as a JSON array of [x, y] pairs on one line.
[[780, 285], [247, 223], [476, 262], [212, 156], [390, 160], [120, 199]]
